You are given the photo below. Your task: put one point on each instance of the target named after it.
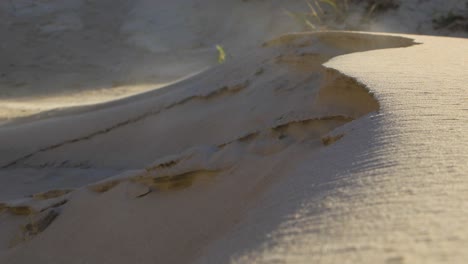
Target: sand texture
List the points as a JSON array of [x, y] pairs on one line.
[[332, 147], [57, 54]]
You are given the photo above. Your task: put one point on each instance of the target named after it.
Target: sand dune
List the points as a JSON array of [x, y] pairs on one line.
[[62, 53], [326, 147]]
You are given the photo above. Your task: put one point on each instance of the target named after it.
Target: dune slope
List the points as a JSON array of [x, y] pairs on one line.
[[270, 157]]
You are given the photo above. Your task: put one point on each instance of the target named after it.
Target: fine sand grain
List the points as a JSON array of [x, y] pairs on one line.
[[326, 147]]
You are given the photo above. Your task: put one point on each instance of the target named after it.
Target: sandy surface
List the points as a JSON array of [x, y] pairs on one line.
[[63, 53], [66, 53], [270, 158], [123, 141]]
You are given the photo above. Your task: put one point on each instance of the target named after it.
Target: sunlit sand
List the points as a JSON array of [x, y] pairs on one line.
[[325, 147]]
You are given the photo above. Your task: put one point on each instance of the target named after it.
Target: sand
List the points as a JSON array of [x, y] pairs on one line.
[[64, 53], [326, 147], [58, 54]]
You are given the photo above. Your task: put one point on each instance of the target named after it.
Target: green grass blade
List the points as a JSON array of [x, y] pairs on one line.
[[319, 8], [221, 54], [314, 12], [310, 24]]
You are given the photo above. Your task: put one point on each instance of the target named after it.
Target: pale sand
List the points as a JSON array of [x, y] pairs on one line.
[[65, 53], [270, 158], [62, 53]]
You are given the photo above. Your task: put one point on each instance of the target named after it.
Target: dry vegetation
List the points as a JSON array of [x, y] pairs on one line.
[[453, 20], [341, 14], [358, 15]]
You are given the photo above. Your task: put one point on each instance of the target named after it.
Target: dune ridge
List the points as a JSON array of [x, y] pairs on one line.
[[226, 157], [299, 151]]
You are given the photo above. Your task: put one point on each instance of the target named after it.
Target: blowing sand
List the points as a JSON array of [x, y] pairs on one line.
[[273, 157], [63, 53], [57, 54], [327, 147]]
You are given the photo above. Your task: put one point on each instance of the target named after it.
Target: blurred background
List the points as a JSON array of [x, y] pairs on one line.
[[61, 53]]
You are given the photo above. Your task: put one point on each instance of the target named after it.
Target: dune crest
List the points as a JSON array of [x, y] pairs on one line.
[[204, 150], [270, 157]]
